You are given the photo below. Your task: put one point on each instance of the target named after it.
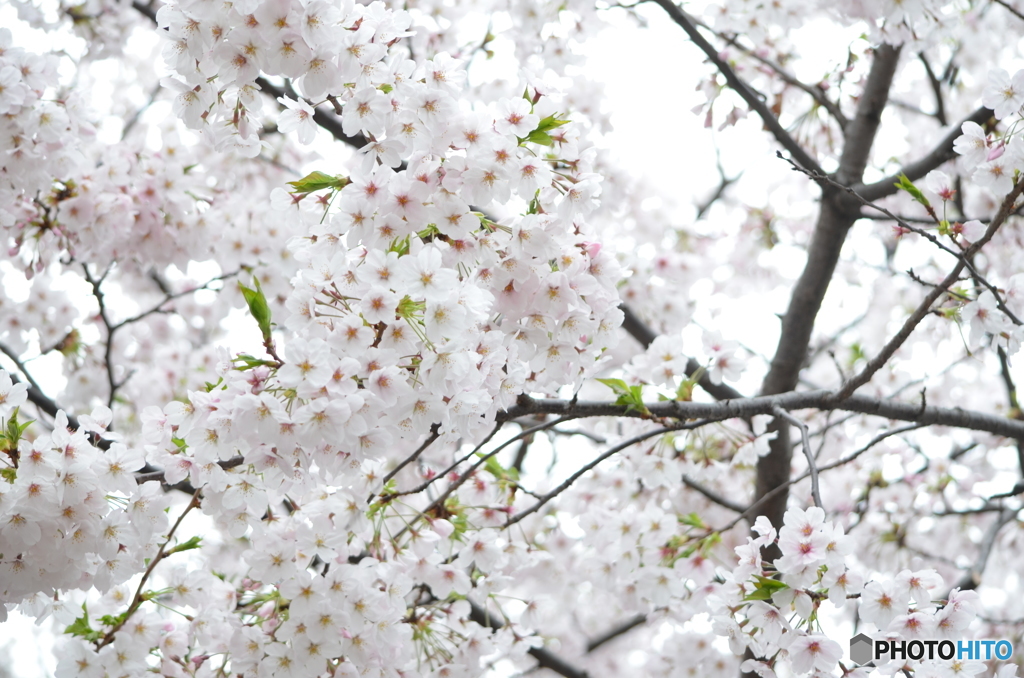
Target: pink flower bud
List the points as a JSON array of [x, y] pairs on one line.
[[996, 151]]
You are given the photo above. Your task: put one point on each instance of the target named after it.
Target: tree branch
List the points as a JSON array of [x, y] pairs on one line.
[[612, 451], [617, 631], [838, 213], [917, 169], [324, 118], [841, 462], [793, 400], [545, 658], [815, 91], [806, 445], [876, 363], [936, 84], [972, 578], [713, 496], [860, 135], [1009, 9], [739, 86], [108, 349], [637, 329]]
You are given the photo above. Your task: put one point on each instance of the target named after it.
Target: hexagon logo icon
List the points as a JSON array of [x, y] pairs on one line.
[[860, 650]]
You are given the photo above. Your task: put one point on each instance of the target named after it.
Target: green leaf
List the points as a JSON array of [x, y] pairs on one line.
[[538, 137], [193, 543], [9, 473], [400, 246], [245, 362], [317, 181], [257, 302], [80, 627], [493, 467], [112, 620], [905, 184], [386, 88], [765, 588], [693, 520], [549, 123], [685, 390], [758, 594], [768, 583], [629, 396]]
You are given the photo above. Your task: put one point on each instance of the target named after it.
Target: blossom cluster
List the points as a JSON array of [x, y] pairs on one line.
[[71, 514], [36, 130], [815, 566], [413, 314]]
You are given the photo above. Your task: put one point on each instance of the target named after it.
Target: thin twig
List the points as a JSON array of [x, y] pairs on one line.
[[614, 450], [841, 462], [435, 433], [615, 632], [1009, 8], [923, 309], [137, 599], [815, 91], [738, 85], [972, 578], [813, 468], [713, 496]]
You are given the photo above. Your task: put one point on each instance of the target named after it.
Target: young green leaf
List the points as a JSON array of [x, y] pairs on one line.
[[630, 396], [193, 543], [257, 302], [317, 181]]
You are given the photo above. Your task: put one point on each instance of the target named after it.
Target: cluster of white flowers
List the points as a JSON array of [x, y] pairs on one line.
[[991, 161], [815, 566], [71, 515], [37, 131], [412, 315]]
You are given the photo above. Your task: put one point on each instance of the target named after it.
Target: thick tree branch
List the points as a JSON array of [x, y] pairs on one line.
[[860, 135], [838, 213], [942, 152], [742, 408], [752, 99]]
